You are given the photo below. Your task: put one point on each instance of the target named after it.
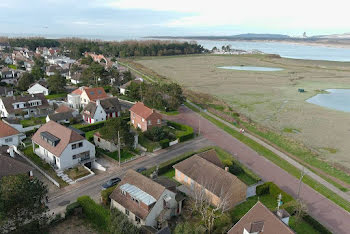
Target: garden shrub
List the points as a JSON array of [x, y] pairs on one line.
[[273, 190], [235, 169], [164, 143], [105, 195], [158, 133], [90, 127], [31, 132], [71, 207], [96, 214], [227, 162]]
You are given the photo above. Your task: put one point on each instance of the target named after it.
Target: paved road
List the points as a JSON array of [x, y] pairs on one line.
[[92, 186], [325, 211]]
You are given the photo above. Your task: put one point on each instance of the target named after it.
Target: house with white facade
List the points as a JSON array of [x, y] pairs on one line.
[[39, 87], [24, 106], [146, 202], [83, 95], [9, 76], [101, 110], [9, 135], [62, 147], [6, 91]]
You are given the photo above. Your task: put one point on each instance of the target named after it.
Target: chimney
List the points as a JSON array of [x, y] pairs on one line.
[[98, 102], [226, 169]]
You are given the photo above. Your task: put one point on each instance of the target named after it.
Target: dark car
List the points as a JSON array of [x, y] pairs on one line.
[[141, 169], [111, 183]]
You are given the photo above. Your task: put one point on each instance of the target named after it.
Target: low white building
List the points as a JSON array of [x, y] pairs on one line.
[[38, 87], [83, 95], [146, 202], [62, 147], [9, 135]]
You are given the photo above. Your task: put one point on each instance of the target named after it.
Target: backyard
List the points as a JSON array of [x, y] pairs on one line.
[[124, 154], [33, 121]]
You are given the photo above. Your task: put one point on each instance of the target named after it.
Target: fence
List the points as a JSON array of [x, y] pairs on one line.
[[36, 167]]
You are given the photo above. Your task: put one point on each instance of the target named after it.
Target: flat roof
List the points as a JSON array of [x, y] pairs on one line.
[[138, 194]]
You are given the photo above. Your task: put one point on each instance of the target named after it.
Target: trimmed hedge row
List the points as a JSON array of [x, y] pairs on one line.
[[164, 143], [188, 131], [316, 225], [89, 127], [274, 190], [166, 166], [95, 213]]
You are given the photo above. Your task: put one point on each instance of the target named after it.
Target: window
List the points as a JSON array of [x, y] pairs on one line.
[[123, 192], [98, 139], [158, 121], [127, 212], [149, 122], [7, 140], [137, 219], [135, 200], [178, 174], [74, 146], [185, 179], [74, 156], [143, 120], [80, 144]]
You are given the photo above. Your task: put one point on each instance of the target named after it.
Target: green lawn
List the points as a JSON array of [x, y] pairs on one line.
[[170, 174], [28, 152], [12, 66], [90, 135], [124, 154], [33, 121], [56, 95], [77, 172], [278, 161]]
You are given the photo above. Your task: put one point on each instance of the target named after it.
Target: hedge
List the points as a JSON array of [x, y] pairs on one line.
[[186, 135], [105, 195], [316, 225], [89, 127], [273, 190], [96, 214], [31, 132], [164, 143], [71, 207]]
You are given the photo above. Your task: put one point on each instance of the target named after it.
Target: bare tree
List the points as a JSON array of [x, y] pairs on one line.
[[202, 201], [300, 210]]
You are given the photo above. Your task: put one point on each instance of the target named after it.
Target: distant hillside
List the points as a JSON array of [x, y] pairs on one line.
[[261, 36], [334, 36]]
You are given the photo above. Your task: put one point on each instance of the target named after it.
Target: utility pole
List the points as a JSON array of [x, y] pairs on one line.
[[300, 181], [199, 123], [119, 147]]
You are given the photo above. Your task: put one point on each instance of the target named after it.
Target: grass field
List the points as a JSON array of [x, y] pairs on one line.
[[271, 98]]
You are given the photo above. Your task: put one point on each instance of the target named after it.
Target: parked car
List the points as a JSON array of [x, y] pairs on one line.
[[111, 183], [141, 169]]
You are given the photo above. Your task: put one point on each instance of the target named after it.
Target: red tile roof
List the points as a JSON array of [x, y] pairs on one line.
[[63, 108], [66, 136], [143, 111], [96, 93], [7, 130], [79, 90]]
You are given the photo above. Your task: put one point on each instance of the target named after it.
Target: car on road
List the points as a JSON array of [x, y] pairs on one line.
[[111, 183], [141, 169]]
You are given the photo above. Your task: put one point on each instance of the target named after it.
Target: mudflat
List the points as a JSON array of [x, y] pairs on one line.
[[271, 98]]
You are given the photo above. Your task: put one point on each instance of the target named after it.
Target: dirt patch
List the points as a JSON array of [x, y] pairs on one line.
[[72, 225]]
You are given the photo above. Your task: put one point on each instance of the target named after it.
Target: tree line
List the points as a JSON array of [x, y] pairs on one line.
[[77, 47]]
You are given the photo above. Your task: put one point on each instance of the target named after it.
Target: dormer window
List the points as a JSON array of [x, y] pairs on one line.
[[49, 138]]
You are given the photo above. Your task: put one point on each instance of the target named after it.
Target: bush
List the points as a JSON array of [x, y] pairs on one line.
[[235, 169], [71, 207], [95, 213], [263, 189], [316, 225], [89, 127], [119, 223], [186, 135], [105, 195], [158, 133], [273, 190], [31, 132], [227, 162], [164, 143]]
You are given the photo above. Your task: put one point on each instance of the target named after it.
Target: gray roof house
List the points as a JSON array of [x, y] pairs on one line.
[[101, 110]]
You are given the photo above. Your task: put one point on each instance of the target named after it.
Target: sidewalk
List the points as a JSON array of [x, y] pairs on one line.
[[282, 155]]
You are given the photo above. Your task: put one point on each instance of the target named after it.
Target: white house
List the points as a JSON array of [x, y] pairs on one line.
[[6, 91], [9, 135], [24, 106], [145, 201], [83, 95], [62, 147], [102, 110], [38, 87]]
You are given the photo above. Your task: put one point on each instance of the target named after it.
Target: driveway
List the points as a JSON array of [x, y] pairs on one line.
[[325, 211]]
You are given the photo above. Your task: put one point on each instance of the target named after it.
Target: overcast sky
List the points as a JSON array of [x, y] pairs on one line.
[[120, 19]]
